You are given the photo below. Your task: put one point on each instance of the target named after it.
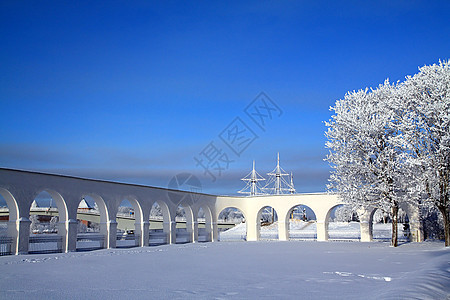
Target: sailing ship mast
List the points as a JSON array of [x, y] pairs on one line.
[[252, 187], [276, 184]]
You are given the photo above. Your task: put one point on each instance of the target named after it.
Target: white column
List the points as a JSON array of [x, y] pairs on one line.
[[365, 223], [190, 231], [322, 230], [252, 230], [137, 234], [195, 232], [416, 231], [283, 230], [23, 236], [13, 233], [170, 229], [145, 233], [366, 231], [111, 234], [68, 231], [213, 233]]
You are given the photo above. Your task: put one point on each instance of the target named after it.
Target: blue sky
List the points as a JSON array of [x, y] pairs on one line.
[[133, 92]]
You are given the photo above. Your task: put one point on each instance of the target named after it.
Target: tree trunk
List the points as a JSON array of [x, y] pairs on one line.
[[394, 239], [445, 216]]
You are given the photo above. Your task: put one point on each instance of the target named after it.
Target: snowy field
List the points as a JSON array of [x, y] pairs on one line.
[[234, 270]]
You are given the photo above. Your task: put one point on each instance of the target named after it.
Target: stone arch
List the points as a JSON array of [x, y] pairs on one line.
[[271, 224], [416, 228], [159, 230], [239, 230], [99, 237], [204, 232], [382, 231], [137, 209], [164, 209], [11, 203], [188, 212], [60, 203], [49, 222], [309, 209], [207, 213], [101, 205], [184, 233], [130, 226], [350, 232], [11, 232], [304, 228]]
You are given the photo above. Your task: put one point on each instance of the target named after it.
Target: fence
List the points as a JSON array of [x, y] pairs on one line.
[[5, 245], [182, 236], [157, 237], [125, 240], [203, 235], [45, 243], [90, 241]]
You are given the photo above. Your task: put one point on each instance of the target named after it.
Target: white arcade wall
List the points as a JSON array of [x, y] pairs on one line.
[[20, 188]]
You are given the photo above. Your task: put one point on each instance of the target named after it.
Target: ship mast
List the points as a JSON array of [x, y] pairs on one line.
[[292, 188], [252, 188], [276, 184]]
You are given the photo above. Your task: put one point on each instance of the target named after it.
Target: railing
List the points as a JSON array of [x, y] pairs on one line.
[[182, 237], [45, 243], [302, 236], [90, 241], [267, 236], [157, 237], [125, 240], [346, 236], [203, 235], [5, 245], [386, 235], [232, 238]]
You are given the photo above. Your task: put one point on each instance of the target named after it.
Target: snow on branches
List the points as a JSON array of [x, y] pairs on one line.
[[391, 144], [426, 135]]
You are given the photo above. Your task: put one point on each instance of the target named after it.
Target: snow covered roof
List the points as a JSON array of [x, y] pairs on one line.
[[84, 204], [34, 204]]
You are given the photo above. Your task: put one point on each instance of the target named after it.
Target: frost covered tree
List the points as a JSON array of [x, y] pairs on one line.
[[426, 136], [35, 226], [156, 211], [54, 224], [364, 152], [343, 213]]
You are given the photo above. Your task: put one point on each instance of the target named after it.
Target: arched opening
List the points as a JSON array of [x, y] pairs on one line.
[[128, 220], [92, 223], [45, 218], [343, 223], [267, 223], [6, 224], [4, 218], [10, 212], [432, 223], [5, 239], [382, 225], [232, 225], [302, 223], [204, 221], [183, 218], [159, 224]]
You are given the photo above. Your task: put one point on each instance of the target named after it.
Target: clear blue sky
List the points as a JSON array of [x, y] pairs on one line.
[[133, 92]]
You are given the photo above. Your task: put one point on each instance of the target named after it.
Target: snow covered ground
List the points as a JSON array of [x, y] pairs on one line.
[[225, 270]]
